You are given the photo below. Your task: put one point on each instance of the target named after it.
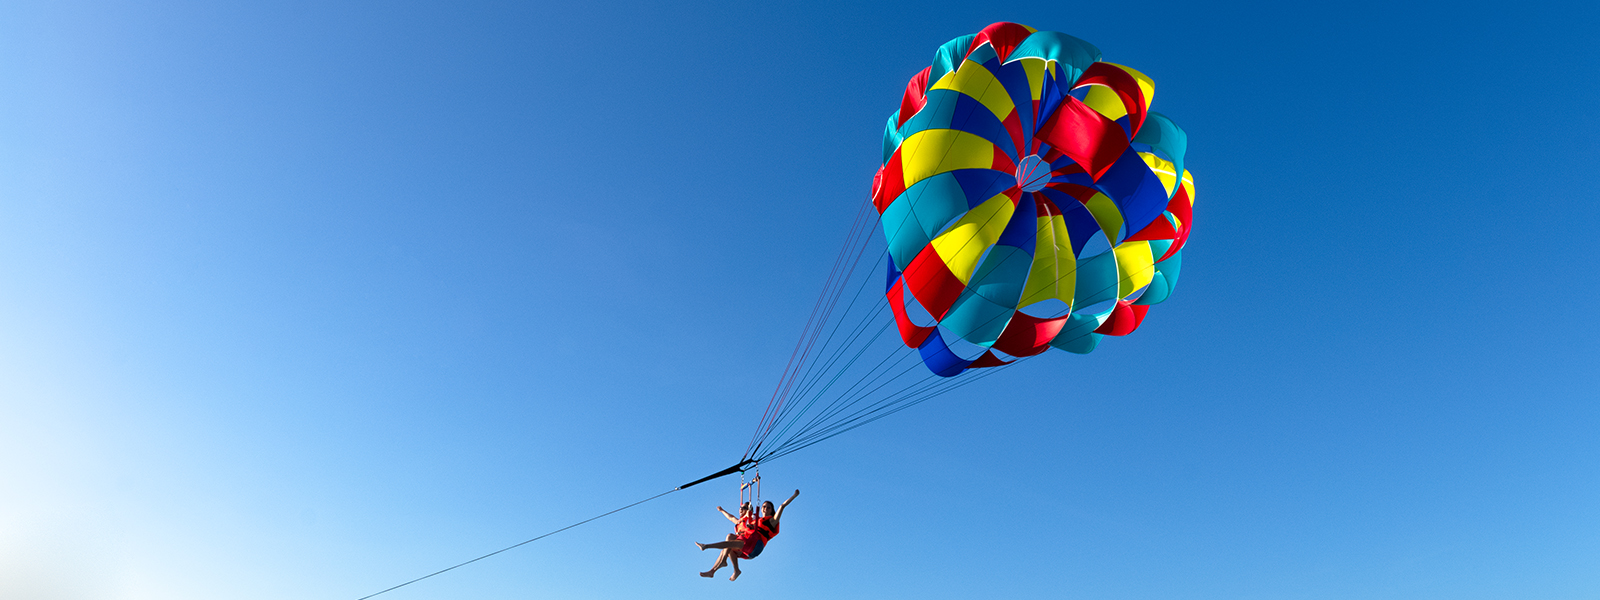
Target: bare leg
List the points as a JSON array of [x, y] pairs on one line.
[[722, 557], [734, 541], [735, 575], [725, 555]]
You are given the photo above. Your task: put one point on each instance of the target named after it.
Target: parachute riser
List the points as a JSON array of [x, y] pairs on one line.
[[751, 491], [738, 468]]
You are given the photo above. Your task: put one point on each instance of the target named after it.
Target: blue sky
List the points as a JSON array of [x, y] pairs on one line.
[[308, 299]]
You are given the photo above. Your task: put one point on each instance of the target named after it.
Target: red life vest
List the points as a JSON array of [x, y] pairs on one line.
[[743, 527], [765, 529]]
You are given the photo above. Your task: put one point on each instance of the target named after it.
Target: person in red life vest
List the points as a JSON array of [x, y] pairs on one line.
[[743, 526], [750, 537], [741, 523]]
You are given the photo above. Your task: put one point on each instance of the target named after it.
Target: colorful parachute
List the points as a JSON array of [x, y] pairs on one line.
[[1029, 198]]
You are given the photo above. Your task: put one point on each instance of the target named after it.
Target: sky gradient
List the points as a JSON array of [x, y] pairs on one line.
[[307, 299]]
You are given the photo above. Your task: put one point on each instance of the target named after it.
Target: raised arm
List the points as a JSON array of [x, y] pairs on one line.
[[779, 515], [726, 514]]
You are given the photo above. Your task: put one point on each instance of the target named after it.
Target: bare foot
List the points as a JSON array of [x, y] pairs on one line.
[[734, 576], [701, 546], [708, 574]]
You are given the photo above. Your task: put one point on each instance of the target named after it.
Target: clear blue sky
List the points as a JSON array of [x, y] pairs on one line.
[[306, 299]]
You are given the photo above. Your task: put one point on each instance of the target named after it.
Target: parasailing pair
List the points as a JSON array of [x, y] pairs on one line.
[[1028, 199]]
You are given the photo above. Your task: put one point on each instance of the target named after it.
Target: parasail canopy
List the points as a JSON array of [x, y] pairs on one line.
[[1030, 199]]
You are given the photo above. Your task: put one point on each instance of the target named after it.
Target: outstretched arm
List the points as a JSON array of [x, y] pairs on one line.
[[726, 514], [779, 515]]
